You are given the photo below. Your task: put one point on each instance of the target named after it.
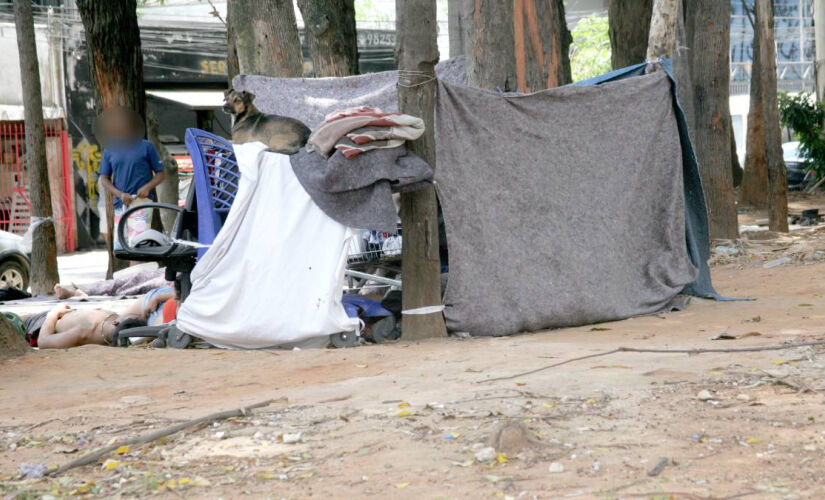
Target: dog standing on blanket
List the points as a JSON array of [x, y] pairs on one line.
[[280, 133]]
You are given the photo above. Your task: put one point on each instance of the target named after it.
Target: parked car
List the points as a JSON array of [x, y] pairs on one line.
[[14, 262], [798, 175]]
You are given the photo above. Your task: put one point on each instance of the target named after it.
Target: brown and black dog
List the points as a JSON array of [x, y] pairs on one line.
[[280, 133]]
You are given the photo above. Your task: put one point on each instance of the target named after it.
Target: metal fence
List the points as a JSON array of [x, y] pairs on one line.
[[15, 207]]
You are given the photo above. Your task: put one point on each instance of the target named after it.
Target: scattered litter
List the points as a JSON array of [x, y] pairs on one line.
[[486, 455], [778, 262], [110, 464], [723, 335], [401, 486], [723, 250], [403, 404], [291, 438], [220, 435], [502, 458], [404, 414], [122, 450], [660, 466], [556, 467], [33, 471], [704, 395]]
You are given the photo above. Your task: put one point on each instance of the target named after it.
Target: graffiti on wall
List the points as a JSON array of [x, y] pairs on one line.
[[86, 158]]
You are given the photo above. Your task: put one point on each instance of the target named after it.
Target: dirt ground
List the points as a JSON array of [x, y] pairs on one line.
[[411, 420]]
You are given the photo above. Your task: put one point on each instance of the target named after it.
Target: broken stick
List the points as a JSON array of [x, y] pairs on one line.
[[96, 455], [776, 347]]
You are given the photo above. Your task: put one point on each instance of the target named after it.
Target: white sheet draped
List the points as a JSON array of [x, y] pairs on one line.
[[275, 272]]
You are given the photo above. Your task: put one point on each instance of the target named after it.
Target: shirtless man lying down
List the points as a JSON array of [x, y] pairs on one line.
[[64, 327]]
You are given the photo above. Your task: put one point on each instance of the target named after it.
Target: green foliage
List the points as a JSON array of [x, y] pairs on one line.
[[590, 51], [803, 114], [367, 10]]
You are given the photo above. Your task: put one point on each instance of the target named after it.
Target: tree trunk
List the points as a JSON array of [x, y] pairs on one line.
[[231, 53], [168, 190], [44, 275], [266, 37], [629, 29], [819, 44], [707, 39], [755, 177], [116, 64], [663, 22], [455, 26], [115, 56], [329, 28], [777, 175], [536, 31], [417, 53]]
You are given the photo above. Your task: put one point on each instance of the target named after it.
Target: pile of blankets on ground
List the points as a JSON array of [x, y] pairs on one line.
[[355, 160]]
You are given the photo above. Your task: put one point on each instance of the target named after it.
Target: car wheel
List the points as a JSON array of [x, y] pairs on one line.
[[14, 275]]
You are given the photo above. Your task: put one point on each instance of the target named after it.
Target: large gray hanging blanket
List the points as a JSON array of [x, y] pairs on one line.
[[563, 207]]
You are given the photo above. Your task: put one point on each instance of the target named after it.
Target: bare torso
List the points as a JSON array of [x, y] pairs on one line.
[[90, 320]]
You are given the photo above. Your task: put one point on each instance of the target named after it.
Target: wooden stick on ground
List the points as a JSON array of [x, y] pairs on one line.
[[96, 455], [776, 347]]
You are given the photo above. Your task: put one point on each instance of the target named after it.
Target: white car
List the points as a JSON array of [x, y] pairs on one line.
[[14, 262]]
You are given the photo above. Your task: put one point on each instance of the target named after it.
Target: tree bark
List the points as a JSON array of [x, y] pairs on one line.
[[629, 22], [777, 175], [266, 37], [417, 52], [455, 26], [754, 190], [707, 58], [663, 21], [329, 28], [115, 56], [522, 45], [231, 52], [44, 274], [168, 190], [116, 64]]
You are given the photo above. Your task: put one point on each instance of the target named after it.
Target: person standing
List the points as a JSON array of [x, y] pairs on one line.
[[130, 169]]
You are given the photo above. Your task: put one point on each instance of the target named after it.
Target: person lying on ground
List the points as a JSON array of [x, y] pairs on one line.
[[64, 327], [137, 283]]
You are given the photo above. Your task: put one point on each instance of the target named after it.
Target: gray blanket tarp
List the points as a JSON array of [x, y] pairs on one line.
[[563, 207], [357, 192], [311, 99]]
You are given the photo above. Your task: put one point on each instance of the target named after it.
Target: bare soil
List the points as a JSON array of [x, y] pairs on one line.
[[406, 420]]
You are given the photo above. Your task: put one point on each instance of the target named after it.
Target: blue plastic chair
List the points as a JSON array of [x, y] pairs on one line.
[[216, 181]]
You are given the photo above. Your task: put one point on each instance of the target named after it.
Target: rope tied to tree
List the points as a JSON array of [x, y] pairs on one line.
[[411, 79]]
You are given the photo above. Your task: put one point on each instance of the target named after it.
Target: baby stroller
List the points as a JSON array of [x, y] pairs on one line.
[[216, 177]]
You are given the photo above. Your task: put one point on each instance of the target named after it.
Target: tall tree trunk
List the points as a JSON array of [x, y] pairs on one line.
[[707, 39], [523, 45], [754, 190], [168, 190], [44, 275], [417, 52], [629, 30], [116, 62], [265, 37], [329, 28], [663, 25], [455, 26], [777, 175], [231, 52]]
